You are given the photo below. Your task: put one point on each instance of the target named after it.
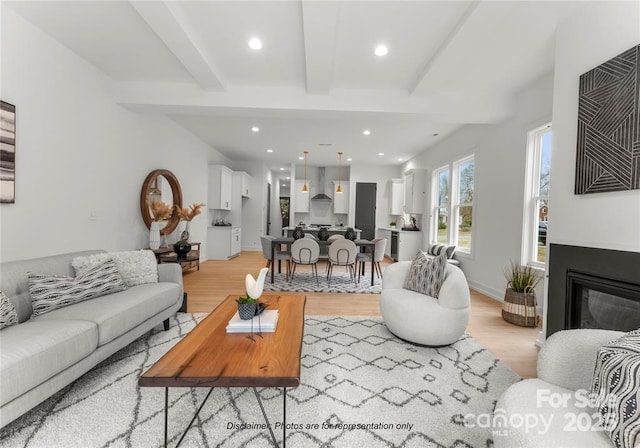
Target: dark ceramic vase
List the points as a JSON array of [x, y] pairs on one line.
[[350, 234], [298, 233], [323, 234], [246, 311], [182, 248]]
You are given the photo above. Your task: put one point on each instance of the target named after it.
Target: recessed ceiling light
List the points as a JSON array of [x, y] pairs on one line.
[[380, 153], [381, 50], [255, 43], [366, 132], [255, 129], [400, 159], [288, 178], [284, 185], [301, 158], [349, 159], [281, 169], [269, 150]]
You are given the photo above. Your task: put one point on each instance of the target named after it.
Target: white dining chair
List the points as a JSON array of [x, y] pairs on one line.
[[305, 251], [342, 252]]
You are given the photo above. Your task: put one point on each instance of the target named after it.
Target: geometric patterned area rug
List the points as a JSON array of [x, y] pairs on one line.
[[341, 281], [360, 386]]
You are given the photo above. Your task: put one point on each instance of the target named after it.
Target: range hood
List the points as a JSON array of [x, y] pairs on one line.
[[321, 196]]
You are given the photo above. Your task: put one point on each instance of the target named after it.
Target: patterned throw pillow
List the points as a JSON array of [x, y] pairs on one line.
[[136, 267], [51, 292], [437, 249], [426, 275], [616, 386], [8, 314]]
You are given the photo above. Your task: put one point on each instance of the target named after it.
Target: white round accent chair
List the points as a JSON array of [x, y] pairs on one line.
[[422, 319]]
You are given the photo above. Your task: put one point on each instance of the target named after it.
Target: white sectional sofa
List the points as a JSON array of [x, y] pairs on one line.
[[41, 355]]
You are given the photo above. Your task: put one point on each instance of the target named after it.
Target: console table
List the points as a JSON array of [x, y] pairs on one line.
[[167, 255]]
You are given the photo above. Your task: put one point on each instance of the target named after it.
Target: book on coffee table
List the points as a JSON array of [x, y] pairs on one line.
[[266, 322]]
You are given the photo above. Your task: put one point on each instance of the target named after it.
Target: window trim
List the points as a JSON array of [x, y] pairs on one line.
[[532, 195], [453, 205]]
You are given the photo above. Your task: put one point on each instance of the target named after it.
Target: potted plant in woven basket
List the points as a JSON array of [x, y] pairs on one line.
[[520, 305]]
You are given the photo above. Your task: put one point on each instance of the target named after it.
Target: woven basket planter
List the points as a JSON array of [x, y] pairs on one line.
[[519, 308]]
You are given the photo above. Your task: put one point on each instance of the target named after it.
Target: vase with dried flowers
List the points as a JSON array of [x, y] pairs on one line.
[[187, 214], [160, 211]]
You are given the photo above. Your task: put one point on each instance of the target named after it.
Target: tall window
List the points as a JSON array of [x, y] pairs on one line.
[[453, 187], [537, 195], [441, 212], [463, 205]]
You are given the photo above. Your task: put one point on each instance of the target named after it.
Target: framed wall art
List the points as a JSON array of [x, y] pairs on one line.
[[608, 149], [7, 153]]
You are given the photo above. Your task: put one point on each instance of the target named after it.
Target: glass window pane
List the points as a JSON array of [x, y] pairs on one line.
[[466, 181], [443, 188], [443, 225], [541, 235], [465, 225], [545, 163]]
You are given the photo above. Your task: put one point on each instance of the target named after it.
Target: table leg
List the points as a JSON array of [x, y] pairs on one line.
[[373, 257], [166, 415], [273, 252], [266, 419], [284, 417]]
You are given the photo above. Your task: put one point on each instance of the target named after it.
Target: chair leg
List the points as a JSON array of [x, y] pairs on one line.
[[293, 271], [352, 268], [329, 272], [314, 266], [287, 270]]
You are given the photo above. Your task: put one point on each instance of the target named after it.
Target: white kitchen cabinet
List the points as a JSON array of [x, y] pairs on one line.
[[246, 183], [341, 200], [223, 242], [220, 187], [409, 243], [301, 198], [414, 191], [384, 233], [396, 196]]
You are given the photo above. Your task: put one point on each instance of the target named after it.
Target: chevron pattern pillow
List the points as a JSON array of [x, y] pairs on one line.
[[426, 275], [52, 292], [8, 314], [616, 386]]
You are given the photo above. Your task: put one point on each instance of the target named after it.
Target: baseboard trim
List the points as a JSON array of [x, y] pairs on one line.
[[486, 290]]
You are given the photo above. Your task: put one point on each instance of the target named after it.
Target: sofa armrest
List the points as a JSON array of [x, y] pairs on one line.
[[568, 357], [170, 272], [394, 275]]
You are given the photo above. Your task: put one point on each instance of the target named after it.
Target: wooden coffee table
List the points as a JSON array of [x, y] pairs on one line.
[[210, 357]]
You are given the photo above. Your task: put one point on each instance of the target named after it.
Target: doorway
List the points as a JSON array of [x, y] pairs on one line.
[[284, 210], [366, 209]]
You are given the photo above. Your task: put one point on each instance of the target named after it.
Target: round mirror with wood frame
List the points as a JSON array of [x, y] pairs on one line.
[[148, 188]]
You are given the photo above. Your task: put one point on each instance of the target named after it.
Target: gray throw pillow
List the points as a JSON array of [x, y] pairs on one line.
[[52, 292], [136, 267], [616, 387], [426, 275], [438, 248], [8, 314]]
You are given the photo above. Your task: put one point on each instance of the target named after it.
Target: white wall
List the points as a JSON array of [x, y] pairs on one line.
[[77, 151], [602, 220], [500, 152]]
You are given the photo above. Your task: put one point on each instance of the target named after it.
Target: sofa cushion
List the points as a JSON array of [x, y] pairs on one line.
[[34, 351], [8, 314], [616, 385], [136, 267], [115, 314], [51, 292], [426, 275]]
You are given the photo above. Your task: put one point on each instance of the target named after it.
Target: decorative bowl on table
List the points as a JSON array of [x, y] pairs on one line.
[[182, 248]]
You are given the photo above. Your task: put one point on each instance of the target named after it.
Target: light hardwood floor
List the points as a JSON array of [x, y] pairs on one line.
[[216, 280]]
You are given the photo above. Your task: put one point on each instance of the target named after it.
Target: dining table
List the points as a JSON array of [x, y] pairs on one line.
[[288, 241]]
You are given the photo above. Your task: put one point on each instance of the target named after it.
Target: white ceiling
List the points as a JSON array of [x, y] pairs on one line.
[[316, 79]]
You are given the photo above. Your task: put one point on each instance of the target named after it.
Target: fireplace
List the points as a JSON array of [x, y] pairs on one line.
[[593, 288]]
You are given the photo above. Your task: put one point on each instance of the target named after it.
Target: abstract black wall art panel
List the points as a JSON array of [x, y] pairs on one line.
[[608, 155]]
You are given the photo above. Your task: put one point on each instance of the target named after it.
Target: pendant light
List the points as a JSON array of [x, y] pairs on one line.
[[305, 188], [339, 189]]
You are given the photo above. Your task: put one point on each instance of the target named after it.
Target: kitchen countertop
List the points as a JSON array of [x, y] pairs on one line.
[[395, 229], [331, 229]]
